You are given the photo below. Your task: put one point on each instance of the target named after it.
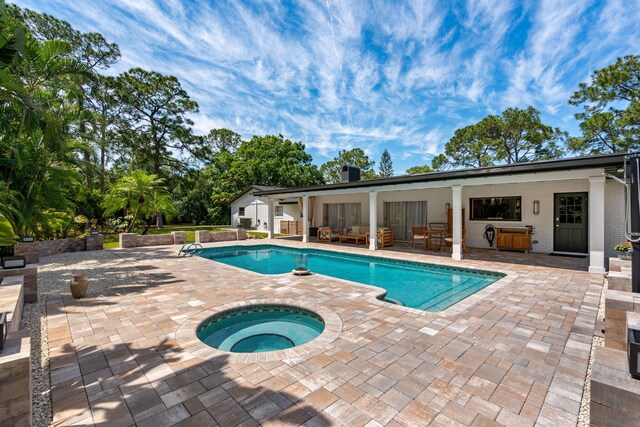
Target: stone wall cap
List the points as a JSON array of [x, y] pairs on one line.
[[17, 346]]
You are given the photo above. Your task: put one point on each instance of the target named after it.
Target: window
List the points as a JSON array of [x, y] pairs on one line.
[[279, 210], [339, 216], [241, 211], [497, 208]]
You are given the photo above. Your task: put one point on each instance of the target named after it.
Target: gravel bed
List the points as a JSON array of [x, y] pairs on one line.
[[106, 272], [585, 404]]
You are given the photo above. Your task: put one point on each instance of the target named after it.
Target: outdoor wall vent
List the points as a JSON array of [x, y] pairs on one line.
[[350, 173]]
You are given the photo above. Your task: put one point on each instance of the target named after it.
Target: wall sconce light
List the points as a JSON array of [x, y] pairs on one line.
[[447, 206], [536, 207]]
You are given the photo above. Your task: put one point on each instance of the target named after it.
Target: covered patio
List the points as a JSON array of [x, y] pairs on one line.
[[569, 206]]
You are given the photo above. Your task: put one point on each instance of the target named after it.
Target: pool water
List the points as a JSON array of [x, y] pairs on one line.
[[258, 329], [423, 286]]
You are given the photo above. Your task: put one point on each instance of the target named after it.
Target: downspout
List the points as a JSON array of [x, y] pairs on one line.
[[634, 234]]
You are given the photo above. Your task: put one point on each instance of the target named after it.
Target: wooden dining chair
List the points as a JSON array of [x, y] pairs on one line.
[[420, 234]]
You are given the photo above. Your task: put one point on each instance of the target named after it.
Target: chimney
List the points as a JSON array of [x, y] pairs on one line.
[[350, 173]]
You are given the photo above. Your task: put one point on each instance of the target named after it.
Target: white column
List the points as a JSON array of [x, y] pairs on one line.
[[305, 219], [271, 217], [373, 220], [456, 206], [596, 224]]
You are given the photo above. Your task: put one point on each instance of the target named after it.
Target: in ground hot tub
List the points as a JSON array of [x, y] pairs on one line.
[[260, 328]]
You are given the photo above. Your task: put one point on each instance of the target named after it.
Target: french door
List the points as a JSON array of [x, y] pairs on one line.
[[340, 216], [571, 226], [402, 216]]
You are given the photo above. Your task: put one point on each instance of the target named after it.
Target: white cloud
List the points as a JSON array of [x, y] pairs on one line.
[[339, 74]]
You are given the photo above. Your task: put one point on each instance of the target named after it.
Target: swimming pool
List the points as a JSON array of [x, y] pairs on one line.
[[426, 287]]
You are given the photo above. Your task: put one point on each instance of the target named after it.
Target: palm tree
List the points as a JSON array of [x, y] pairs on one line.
[[37, 111], [142, 191], [7, 235]]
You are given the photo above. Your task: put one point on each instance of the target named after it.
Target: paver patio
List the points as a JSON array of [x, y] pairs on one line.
[[515, 353]]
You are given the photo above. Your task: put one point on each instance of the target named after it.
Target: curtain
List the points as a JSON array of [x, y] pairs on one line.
[[394, 218], [401, 217], [352, 214], [339, 216], [311, 206]]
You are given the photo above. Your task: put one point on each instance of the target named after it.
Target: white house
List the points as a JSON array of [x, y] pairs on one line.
[[250, 211], [573, 205]]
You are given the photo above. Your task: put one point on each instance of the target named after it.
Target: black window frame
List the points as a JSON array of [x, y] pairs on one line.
[[241, 211], [518, 218]]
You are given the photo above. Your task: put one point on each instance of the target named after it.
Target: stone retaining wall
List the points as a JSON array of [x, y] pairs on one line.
[[33, 251], [15, 380], [133, 240], [618, 301], [12, 300], [205, 236], [614, 393], [30, 274]]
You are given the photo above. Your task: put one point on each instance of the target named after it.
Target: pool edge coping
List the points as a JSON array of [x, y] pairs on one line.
[[377, 292], [187, 339]]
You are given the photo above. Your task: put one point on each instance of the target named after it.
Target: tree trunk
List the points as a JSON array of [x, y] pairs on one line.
[[87, 168], [103, 149], [135, 218], [159, 223], [103, 156], [146, 227], [86, 153]]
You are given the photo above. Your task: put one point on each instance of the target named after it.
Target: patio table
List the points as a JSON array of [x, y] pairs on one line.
[[353, 237]]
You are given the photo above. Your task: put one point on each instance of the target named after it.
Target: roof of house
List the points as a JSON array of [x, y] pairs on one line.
[[605, 160], [259, 188]]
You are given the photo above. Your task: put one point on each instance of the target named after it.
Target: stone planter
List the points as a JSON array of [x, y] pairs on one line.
[[78, 286], [624, 255]]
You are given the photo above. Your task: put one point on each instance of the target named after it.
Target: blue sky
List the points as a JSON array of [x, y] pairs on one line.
[[388, 74]]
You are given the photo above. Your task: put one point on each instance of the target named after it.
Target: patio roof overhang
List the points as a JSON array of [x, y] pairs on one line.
[[562, 169], [595, 169]]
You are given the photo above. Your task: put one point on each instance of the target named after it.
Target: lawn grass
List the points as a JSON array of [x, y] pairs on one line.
[[111, 240]]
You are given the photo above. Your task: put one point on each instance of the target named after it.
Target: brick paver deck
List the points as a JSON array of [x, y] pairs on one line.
[[514, 353]]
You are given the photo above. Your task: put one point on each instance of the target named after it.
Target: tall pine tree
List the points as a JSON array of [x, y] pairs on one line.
[[386, 165]]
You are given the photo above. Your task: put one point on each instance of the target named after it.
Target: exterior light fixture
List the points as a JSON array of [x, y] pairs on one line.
[[536, 207], [28, 239], [447, 206], [14, 262], [94, 232]]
